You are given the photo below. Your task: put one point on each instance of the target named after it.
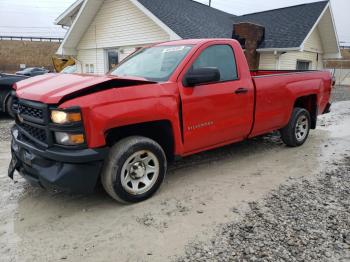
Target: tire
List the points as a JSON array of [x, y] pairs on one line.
[[8, 106], [134, 170], [297, 131]]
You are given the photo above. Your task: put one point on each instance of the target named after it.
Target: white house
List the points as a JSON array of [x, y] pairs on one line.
[[103, 32]]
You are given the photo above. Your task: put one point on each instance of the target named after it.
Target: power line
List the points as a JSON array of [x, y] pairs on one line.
[[39, 27]]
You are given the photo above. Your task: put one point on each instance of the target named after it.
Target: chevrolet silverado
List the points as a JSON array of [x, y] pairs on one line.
[[165, 101]]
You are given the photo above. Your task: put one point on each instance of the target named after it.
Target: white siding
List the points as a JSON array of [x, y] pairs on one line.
[[314, 43], [120, 25], [320, 65], [313, 52], [313, 49], [125, 52], [91, 56], [267, 61], [328, 33], [288, 61]]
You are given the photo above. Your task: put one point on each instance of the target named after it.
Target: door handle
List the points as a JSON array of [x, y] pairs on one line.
[[241, 91]]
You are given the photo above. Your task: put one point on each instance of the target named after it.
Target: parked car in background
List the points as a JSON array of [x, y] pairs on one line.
[[33, 71], [6, 83]]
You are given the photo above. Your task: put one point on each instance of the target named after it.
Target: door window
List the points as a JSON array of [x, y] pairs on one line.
[[220, 57]]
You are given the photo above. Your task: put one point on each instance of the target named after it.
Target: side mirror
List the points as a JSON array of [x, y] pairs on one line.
[[202, 75]]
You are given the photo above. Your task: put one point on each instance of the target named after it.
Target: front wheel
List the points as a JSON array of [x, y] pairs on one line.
[[134, 170], [297, 131]]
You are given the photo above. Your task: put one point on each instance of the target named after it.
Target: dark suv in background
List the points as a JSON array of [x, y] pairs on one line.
[[6, 83]]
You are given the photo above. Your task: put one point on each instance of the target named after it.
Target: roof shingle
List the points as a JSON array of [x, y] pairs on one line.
[[284, 27], [190, 19]]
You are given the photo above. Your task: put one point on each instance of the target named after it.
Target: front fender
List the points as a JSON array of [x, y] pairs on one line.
[[115, 108], [106, 117]]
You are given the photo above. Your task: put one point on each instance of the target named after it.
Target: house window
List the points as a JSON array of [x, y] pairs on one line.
[[112, 59], [303, 65], [89, 68], [92, 68]]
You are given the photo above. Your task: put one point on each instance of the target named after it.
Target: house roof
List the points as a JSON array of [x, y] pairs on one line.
[[284, 28], [64, 18], [190, 19]]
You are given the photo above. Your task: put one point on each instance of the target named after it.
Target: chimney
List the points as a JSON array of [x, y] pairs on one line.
[[250, 37]]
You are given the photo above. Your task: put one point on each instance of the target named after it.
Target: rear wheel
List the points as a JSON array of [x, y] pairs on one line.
[[134, 170], [297, 131]]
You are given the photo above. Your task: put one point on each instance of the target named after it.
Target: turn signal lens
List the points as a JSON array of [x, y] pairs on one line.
[[61, 117], [77, 139], [69, 139]]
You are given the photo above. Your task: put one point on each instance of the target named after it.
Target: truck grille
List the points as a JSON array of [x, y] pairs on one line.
[[32, 120], [34, 126], [25, 110], [37, 133]]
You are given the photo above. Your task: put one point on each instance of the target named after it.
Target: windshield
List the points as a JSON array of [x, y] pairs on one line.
[[154, 63]]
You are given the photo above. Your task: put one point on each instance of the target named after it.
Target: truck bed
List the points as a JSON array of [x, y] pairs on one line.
[[277, 90]]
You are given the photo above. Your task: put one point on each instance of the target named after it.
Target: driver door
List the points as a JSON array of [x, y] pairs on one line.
[[216, 113]]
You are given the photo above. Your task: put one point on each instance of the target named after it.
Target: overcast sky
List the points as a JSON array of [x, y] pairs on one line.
[[35, 17]]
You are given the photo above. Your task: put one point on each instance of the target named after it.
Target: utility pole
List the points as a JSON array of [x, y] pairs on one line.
[[209, 2]]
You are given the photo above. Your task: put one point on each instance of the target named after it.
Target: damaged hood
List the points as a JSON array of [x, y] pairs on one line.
[[53, 88]]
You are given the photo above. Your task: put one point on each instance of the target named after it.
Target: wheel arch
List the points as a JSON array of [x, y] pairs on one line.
[[308, 102], [160, 131]]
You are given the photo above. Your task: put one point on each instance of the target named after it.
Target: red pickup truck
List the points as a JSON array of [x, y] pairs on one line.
[[169, 100]]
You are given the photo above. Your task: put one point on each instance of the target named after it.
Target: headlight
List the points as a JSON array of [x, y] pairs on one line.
[[61, 117], [68, 139]]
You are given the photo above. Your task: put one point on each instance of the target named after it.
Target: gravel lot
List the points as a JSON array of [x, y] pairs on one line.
[[253, 201], [301, 220], [306, 220], [5, 123]]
